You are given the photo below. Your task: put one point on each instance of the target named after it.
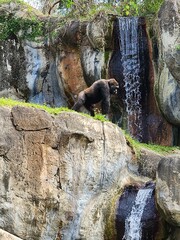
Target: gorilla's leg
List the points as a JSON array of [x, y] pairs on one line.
[[80, 101], [90, 108]]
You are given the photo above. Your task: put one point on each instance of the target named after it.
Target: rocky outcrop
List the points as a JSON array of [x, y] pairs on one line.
[[168, 81], [53, 168], [61, 176], [167, 185]]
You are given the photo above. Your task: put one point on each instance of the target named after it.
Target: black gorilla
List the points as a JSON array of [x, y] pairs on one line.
[[98, 91]]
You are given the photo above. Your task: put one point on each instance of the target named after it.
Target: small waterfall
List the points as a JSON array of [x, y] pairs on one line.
[[133, 229], [130, 49], [137, 217], [129, 65]]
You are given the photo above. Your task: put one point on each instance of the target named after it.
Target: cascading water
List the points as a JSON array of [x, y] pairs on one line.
[[137, 216], [129, 65], [129, 47], [133, 230]]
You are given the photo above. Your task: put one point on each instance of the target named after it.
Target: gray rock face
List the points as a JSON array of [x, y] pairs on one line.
[[168, 185], [169, 18], [62, 175], [148, 163], [168, 84], [53, 168]]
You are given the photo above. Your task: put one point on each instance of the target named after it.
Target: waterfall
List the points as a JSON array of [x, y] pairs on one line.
[[133, 222], [130, 49], [137, 216]]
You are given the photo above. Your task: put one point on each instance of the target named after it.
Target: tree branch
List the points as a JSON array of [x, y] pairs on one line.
[[49, 12]]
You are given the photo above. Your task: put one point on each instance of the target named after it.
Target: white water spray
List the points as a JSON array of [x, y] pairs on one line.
[[133, 228], [129, 48]]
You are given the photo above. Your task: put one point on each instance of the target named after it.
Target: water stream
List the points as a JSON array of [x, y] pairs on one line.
[[129, 64], [129, 47], [133, 225], [137, 216]]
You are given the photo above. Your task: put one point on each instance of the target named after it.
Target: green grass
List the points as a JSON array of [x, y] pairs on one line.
[[10, 1], [7, 102], [101, 118], [137, 146]]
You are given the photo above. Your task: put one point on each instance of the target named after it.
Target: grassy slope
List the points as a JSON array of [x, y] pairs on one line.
[[163, 150], [7, 102]]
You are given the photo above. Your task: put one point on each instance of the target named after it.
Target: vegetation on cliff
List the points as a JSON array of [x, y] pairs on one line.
[[21, 21], [120, 8], [7, 102], [137, 146]]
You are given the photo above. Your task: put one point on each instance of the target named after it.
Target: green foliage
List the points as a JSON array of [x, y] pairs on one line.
[[67, 3], [129, 8], [100, 117], [178, 47], [23, 28], [147, 7], [10, 1], [137, 146], [86, 9]]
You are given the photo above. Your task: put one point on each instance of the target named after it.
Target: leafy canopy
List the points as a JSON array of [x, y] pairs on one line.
[[120, 7]]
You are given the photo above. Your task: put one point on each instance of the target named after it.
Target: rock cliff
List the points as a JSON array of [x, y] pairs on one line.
[[62, 175], [168, 80], [52, 168]]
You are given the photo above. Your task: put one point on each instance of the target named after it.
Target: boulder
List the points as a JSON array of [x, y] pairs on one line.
[[167, 188], [168, 83], [53, 169]]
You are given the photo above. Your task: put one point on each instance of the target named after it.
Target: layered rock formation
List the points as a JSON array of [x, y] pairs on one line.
[[51, 67], [62, 175]]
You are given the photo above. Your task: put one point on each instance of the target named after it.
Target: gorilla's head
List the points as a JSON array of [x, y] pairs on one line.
[[113, 85]]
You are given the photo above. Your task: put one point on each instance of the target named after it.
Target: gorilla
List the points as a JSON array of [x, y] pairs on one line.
[[98, 91]]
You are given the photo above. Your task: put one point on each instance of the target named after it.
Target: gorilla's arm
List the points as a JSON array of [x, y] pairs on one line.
[[105, 103]]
